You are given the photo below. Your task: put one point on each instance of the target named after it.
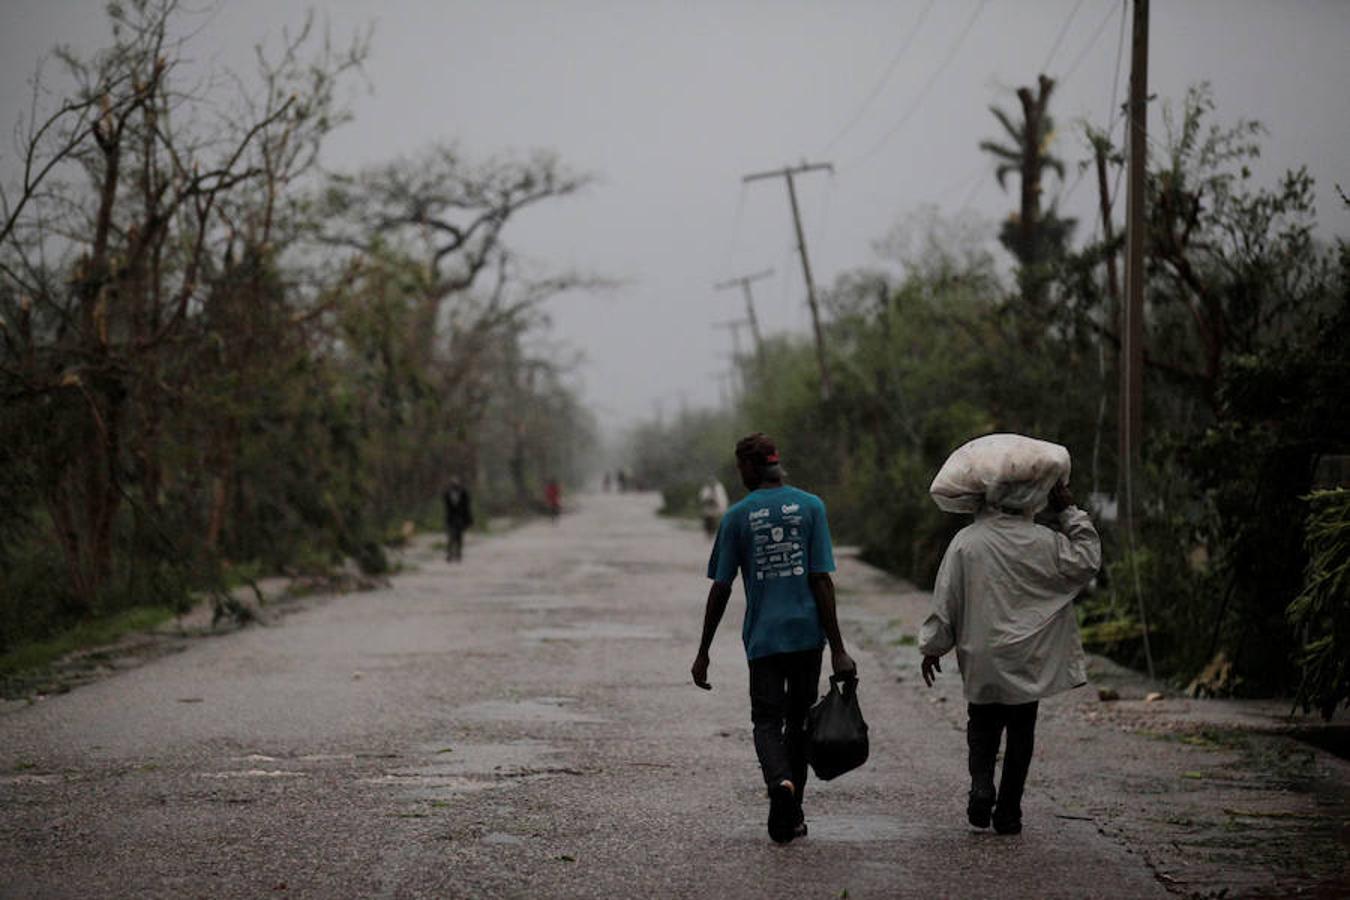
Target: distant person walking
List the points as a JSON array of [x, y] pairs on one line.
[[1004, 599], [458, 518], [712, 503], [553, 498], [778, 539]]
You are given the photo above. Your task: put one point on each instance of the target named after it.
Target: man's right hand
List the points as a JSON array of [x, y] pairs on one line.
[[1060, 498], [930, 666], [700, 671]]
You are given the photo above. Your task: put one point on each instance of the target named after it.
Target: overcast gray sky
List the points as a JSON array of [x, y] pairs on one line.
[[671, 103]]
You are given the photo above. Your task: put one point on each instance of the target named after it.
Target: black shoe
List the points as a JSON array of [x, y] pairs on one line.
[[978, 809], [1008, 824], [799, 830], [782, 813]]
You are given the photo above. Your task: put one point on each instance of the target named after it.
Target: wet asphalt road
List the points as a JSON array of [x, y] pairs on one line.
[[520, 725]]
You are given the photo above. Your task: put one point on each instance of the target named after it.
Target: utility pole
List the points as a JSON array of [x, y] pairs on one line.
[[734, 326], [1132, 309], [787, 173], [743, 282], [1108, 232], [723, 380]]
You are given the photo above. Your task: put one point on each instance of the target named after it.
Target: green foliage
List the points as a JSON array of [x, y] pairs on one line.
[[677, 457], [38, 653], [1245, 390], [218, 373], [1320, 614]]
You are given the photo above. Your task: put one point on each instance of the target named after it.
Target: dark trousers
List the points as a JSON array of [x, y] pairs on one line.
[[782, 688], [984, 731], [454, 542]]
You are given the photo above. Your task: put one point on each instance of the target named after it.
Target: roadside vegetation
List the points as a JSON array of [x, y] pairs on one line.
[[219, 360], [962, 329]]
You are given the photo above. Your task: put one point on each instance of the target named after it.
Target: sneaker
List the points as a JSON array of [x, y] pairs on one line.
[[782, 813], [978, 809]]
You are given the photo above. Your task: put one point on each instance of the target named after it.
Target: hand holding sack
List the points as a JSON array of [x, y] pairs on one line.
[[836, 733], [1004, 470]]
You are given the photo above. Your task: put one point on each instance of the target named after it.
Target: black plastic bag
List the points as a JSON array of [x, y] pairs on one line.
[[836, 739]]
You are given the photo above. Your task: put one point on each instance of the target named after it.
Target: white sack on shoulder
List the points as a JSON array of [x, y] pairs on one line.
[[1009, 470]]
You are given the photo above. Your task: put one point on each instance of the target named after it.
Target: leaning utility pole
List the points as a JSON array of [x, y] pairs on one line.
[[787, 173], [1132, 309], [744, 283]]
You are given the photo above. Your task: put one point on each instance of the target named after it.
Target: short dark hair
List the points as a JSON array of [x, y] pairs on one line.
[[757, 448]]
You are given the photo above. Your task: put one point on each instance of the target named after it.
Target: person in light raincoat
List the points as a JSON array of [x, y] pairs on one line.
[[712, 503], [1004, 600]]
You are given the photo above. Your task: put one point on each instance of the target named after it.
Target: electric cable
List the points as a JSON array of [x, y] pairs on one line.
[[735, 230], [927, 86], [1064, 29], [1092, 42], [885, 77]]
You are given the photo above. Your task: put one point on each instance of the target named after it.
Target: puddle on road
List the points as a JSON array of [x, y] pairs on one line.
[[593, 569], [466, 768], [537, 601], [501, 837], [32, 779], [596, 631], [430, 783], [539, 709], [254, 773], [506, 759]]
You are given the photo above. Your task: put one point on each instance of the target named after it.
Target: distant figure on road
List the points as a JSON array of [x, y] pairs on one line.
[[553, 498], [458, 517], [778, 539], [1004, 599], [712, 503], [607, 481]]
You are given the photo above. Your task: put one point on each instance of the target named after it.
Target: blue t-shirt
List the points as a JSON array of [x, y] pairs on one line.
[[775, 537]]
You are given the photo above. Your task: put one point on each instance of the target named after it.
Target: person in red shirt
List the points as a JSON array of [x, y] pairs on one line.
[[553, 498]]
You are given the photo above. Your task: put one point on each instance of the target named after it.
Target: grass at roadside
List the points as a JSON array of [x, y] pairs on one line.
[[93, 633]]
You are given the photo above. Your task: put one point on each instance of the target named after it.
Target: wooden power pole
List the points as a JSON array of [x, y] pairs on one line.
[[743, 282], [787, 173], [1132, 309], [734, 326]]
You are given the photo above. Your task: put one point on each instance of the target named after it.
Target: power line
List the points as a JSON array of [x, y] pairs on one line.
[[1113, 116], [735, 230], [1064, 29], [974, 191], [964, 181], [1092, 42], [823, 222], [885, 77], [1120, 49], [928, 86]]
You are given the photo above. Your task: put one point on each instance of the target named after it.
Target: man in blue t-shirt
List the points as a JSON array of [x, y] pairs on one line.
[[779, 541]]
